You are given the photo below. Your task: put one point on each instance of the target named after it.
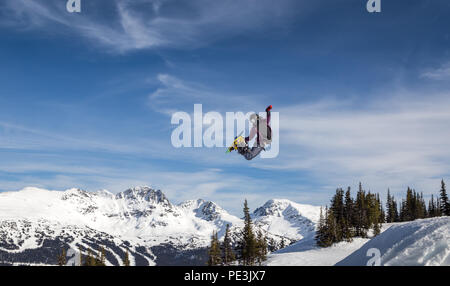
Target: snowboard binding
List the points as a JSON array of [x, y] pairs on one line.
[[239, 142]]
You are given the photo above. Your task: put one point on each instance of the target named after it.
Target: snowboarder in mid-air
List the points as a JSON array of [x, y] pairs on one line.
[[261, 129]]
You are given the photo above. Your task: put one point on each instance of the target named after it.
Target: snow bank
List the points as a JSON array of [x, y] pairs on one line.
[[307, 253], [421, 242]]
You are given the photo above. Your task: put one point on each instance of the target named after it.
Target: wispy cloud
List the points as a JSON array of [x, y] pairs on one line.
[[383, 142], [33, 157], [441, 73], [25, 138], [208, 184], [143, 24], [175, 94]]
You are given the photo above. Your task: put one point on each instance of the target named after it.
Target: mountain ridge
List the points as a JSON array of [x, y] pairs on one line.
[[141, 217]]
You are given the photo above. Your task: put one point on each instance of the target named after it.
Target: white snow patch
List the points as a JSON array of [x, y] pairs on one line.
[[423, 242]]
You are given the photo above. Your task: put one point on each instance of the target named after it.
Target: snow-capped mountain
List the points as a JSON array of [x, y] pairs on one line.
[[36, 223], [210, 212], [287, 219]]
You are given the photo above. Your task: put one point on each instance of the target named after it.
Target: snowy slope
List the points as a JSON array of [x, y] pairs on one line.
[[306, 253], [209, 212], [421, 242], [139, 220], [39, 242]]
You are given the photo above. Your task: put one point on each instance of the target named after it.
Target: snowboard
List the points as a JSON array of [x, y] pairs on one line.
[[239, 141]]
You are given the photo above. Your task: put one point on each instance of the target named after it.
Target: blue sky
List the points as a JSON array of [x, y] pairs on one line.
[[362, 97]]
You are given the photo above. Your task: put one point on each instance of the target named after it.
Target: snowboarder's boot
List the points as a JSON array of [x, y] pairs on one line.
[[239, 142]]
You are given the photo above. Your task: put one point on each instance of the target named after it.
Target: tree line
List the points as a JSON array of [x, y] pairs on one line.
[[349, 217], [90, 259], [251, 249]]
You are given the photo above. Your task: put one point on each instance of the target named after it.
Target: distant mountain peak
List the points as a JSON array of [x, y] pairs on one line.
[[191, 204], [285, 207], [75, 192], [272, 207], [104, 193], [211, 211], [206, 210], [144, 193]]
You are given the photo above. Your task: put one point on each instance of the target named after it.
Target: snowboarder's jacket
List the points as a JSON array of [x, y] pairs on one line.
[[262, 130]]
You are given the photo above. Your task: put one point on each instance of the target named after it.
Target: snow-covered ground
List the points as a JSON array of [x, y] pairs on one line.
[[421, 242], [306, 253]]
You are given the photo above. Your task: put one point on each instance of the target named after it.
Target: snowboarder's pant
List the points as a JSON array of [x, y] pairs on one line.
[[252, 153]]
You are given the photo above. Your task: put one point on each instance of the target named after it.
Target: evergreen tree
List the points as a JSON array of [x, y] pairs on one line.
[[434, 207], [337, 205], [395, 210], [413, 207], [349, 207], [282, 243], [409, 206], [419, 206], [331, 233], [261, 246], [81, 257], [321, 230], [92, 260], [438, 207], [272, 245], [361, 223], [326, 230], [338, 209], [62, 258], [378, 218], [348, 233], [390, 207], [214, 251], [89, 259], [349, 216], [102, 259], [248, 243], [382, 212], [444, 202], [431, 207], [423, 207], [228, 254], [373, 213], [402, 210], [126, 259]]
